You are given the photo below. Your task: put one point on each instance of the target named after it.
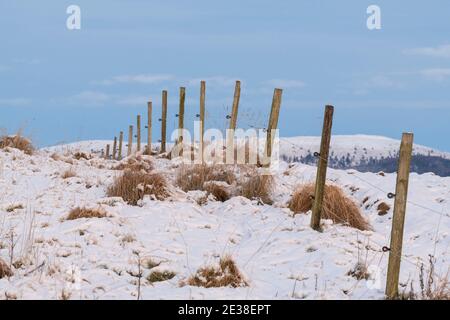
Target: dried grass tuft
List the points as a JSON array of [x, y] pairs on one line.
[[17, 142], [194, 177], [136, 163], [158, 276], [336, 206], [81, 155], [383, 208], [258, 186], [226, 274], [79, 213], [68, 174], [5, 270], [133, 185]]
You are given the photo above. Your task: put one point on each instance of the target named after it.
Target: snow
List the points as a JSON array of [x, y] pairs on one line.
[[280, 256]]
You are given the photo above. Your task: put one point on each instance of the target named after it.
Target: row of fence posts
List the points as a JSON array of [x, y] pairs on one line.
[[117, 148], [401, 191]]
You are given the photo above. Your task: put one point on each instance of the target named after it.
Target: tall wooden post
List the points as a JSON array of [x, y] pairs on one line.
[[181, 115], [119, 156], [114, 153], [164, 121], [202, 117], [273, 122], [130, 140], [398, 220], [138, 134], [233, 120], [322, 168], [107, 151], [149, 127]]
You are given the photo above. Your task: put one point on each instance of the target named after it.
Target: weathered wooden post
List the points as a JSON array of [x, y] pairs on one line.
[[107, 151], [149, 127], [119, 156], [138, 133], [114, 154], [233, 121], [273, 123], [322, 168], [181, 115], [130, 140], [398, 220], [202, 117], [163, 121]]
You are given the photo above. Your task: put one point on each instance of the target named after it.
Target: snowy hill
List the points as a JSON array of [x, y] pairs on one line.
[[280, 255], [364, 153]]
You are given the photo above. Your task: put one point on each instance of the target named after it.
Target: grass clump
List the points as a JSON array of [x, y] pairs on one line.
[[68, 174], [158, 276], [5, 270], [336, 206], [79, 213], [135, 163], [17, 142], [383, 208], [132, 186], [226, 274], [194, 177], [258, 186]]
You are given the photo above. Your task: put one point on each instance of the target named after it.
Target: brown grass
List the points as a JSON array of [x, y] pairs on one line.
[[133, 185], [226, 274], [219, 191], [68, 174], [79, 213], [135, 163], [17, 142], [81, 155], [158, 276], [383, 208], [258, 186], [336, 206], [193, 177], [5, 271]]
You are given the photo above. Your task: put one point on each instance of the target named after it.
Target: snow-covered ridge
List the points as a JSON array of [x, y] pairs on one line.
[[276, 252], [356, 147]]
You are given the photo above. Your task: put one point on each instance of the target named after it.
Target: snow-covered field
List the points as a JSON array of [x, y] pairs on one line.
[[280, 256]]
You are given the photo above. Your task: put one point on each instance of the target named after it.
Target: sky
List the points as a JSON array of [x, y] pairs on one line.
[[60, 85]]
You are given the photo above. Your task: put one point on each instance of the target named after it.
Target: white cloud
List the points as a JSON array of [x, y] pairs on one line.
[[137, 78], [438, 52], [89, 98], [133, 101], [286, 84], [215, 81], [14, 102], [438, 74]]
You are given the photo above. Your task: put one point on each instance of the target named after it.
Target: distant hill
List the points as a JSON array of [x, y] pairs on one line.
[[365, 154]]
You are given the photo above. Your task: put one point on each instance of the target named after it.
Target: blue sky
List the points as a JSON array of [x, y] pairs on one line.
[[60, 85]]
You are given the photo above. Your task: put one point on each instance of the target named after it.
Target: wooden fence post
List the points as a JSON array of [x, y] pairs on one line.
[[398, 220], [114, 148], [130, 140], [233, 119], [149, 127], [119, 156], [322, 168], [164, 121], [181, 115], [202, 117], [138, 132], [273, 122], [107, 151]]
